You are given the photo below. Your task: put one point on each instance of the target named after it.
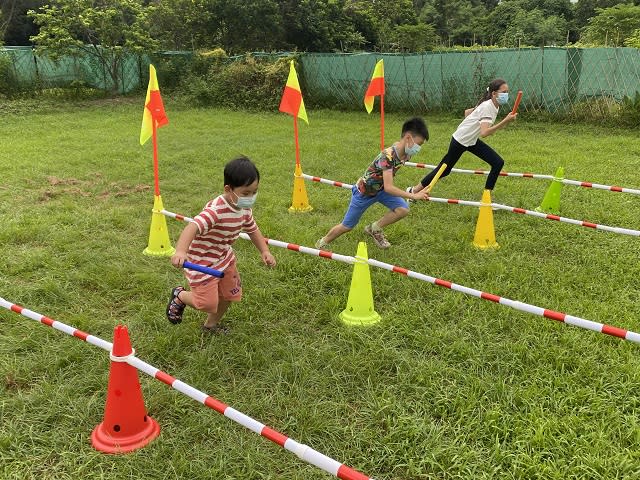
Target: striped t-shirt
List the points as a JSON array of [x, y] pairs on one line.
[[219, 225]]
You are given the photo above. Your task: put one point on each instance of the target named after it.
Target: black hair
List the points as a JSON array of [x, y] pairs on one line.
[[416, 126], [494, 86], [240, 172]]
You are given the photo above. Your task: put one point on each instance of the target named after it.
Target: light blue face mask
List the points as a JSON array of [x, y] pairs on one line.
[[503, 97], [246, 202], [412, 150]]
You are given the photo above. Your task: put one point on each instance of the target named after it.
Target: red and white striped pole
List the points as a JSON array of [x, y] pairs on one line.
[[521, 306], [304, 452], [582, 223], [327, 182], [577, 183], [548, 216]]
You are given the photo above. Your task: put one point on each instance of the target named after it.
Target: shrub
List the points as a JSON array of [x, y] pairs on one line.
[[629, 113], [8, 83], [245, 82]]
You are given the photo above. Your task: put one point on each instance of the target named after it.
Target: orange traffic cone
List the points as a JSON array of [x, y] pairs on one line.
[[126, 425]]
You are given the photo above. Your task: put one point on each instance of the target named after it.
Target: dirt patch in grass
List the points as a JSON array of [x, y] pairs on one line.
[[95, 187]]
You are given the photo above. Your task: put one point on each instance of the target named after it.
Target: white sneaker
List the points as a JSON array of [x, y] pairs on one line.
[[322, 245], [409, 190]]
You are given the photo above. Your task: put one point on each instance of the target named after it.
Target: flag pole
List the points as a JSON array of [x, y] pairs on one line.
[[382, 122], [295, 135], [155, 159]]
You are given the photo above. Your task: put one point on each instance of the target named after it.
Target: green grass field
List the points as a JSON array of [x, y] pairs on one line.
[[446, 386]]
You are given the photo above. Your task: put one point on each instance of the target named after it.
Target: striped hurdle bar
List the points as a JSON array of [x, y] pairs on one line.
[[303, 452], [523, 211], [521, 306], [577, 183]]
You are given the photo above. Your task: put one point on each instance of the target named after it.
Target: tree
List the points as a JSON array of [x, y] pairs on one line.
[[535, 28], [612, 26], [249, 25], [585, 9], [184, 24], [416, 38], [385, 16], [633, 40], [106, 31], [15, 26]]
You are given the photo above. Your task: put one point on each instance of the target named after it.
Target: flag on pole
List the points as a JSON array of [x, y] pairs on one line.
[[376, 87], [292, 102], [153, 108]]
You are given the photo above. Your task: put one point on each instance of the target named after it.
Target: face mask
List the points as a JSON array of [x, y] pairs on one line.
[[246, 202], [503, 97], [412, 150]]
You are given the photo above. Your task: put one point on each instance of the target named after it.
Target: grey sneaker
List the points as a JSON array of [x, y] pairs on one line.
[[378, 237], [322, 245]]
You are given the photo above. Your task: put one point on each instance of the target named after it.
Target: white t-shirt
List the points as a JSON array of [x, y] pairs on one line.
[[468, 131]]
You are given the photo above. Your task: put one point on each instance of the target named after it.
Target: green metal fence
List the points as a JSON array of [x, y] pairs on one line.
[[550, 78], [553, 79], [37, 72]]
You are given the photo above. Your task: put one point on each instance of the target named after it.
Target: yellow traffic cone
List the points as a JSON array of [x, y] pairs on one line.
[[159, 243], [485, 236], [300, 202], [359, 309]]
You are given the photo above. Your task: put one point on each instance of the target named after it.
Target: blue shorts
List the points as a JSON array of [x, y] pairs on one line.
[[360, 203]]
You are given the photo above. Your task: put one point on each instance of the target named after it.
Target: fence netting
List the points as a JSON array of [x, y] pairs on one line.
[[551, 78]]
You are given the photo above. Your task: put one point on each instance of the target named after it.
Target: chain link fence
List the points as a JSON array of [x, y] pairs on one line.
[[552, 79], [33, 72]]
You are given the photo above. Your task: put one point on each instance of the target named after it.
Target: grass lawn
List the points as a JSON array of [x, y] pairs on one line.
[[446, 386]]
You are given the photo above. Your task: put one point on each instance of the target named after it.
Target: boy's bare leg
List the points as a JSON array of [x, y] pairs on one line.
[[392, 216], [213, 319], [335, 232], [185, 297]]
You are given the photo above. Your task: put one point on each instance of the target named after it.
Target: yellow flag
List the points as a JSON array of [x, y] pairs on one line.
[[153, 108]]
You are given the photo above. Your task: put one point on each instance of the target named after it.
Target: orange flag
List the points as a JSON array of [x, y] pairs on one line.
[[376, 87], [292, 102], [153, 108]]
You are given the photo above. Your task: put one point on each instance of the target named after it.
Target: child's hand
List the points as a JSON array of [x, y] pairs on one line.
[[421, 195], [178, 259], [268, 259], [510, 117]]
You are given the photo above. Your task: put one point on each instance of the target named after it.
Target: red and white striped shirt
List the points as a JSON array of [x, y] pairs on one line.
[[219, 225]]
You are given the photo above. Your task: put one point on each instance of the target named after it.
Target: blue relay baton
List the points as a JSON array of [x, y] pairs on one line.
[[202, 269]]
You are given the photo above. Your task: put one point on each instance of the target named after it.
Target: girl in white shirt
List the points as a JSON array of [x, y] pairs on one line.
[[478, 122]]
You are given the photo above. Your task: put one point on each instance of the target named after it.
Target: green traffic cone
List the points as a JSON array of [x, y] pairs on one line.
[[360, 310], [551, 201]]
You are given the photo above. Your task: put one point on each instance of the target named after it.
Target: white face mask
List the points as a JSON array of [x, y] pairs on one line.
[[245, 202], [413, 149], [502, 98]]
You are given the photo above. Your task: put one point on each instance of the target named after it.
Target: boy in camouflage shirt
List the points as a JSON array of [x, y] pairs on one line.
[[376, 186]]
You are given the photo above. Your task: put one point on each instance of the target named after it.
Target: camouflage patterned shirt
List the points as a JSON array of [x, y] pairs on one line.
[[371, 181]]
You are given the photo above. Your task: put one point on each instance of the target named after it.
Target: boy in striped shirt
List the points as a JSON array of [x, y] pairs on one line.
[[207, 241]]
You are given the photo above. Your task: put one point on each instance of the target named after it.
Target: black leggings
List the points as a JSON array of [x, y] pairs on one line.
[[480, 150]]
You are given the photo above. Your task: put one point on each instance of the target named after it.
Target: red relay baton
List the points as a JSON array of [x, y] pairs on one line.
[[517, 103]]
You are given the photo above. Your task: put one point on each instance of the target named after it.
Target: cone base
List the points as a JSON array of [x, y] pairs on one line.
[[104, 442], [167, 252], [293, 209], [552, 211], [486, 246], [359, 320]]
